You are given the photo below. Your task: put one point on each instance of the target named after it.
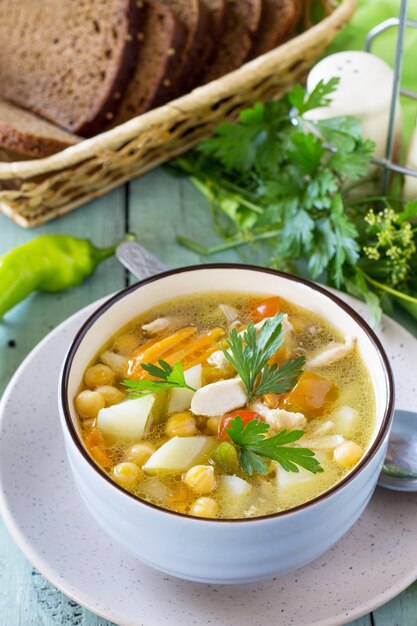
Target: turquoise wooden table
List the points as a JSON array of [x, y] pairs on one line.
[[157, 208]]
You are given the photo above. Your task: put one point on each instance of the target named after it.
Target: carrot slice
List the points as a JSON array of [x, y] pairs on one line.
[[150, 353], [140, 350], [202, 358], [193, 352], [100, 457], [280, 356], [94, 438], [311, 394]]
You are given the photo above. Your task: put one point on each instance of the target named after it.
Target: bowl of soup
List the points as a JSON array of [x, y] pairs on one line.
[[226, 423]]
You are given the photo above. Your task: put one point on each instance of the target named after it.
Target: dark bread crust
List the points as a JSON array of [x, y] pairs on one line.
[[242, 19], [74, 66], [278, 20], [28, 136], [162, 39]]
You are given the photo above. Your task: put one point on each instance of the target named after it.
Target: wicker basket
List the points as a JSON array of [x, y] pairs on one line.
[[33, 192]]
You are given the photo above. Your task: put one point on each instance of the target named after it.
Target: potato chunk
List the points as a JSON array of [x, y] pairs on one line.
[[180, 453]]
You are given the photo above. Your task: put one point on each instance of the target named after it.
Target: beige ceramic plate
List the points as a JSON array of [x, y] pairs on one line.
[[371, 564]]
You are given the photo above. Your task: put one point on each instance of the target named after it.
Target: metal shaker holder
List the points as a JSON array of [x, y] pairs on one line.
[[401, 23]]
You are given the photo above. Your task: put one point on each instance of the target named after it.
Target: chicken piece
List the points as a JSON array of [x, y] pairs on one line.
[[219, 398], [217, 359], [323, 428], [329, 442], [231, 314], [332, 353], [278, 419], [117, 362], [287, 327], [157, 326]]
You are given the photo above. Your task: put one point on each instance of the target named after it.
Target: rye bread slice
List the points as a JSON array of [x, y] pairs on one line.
[[162, 40], [205, 48], [23, 133], [68, 61], [216, 10], [194, 17], [278, 20], [241, 23]]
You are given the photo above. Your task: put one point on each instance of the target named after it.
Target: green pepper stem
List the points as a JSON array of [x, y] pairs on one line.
[[100, 254]]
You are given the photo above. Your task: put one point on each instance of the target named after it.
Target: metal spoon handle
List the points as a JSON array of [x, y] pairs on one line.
[[138, 260]]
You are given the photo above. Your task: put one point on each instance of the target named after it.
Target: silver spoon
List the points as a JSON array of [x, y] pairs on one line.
[[399, 471]]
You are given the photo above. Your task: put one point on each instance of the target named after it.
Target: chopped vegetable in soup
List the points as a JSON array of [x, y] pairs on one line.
[[227, 406]]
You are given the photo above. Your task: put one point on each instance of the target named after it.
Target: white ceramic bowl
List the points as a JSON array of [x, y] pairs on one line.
[[210, 550]]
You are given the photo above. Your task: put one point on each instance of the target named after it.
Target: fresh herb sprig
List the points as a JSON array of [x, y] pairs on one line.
[[293, 183], [170, 377], [250, 352], [279, 177], [254, 447]]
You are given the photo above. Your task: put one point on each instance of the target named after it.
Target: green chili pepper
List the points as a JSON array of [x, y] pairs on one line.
[[48, 263]]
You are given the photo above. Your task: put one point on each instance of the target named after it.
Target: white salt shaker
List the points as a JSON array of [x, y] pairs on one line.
[[364, 91]]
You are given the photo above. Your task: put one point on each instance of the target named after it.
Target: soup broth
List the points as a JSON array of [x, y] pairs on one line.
[[332, 402]]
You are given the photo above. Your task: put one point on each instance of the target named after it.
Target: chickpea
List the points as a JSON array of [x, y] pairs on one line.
[[139, 453], [126, 474], [126, 344], [111, 394], [204, 507], [88, 403], [212, 424], [99, 375], [347, 454], [201, 478], [181, 425]]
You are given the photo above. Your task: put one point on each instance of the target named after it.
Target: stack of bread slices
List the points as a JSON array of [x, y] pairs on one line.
[[73, 68]]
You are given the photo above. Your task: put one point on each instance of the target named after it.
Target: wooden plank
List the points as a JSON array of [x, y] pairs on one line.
[[362, 621], [401, 611], [162, 207], [102, 221]]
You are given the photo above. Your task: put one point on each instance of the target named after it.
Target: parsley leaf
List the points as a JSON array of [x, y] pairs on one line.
[[170, 377], [252, 463], [319, 97], [251, 434], [276, 379], [254, 447], [250, 352]]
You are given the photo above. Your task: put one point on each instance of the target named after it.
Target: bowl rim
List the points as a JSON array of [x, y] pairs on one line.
[[107, 304]]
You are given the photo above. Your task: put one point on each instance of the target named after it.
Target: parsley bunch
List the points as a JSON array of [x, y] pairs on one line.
[[278, 177], [254, 447]]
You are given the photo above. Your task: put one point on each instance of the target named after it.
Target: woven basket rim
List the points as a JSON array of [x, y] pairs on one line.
[[223, 87]]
